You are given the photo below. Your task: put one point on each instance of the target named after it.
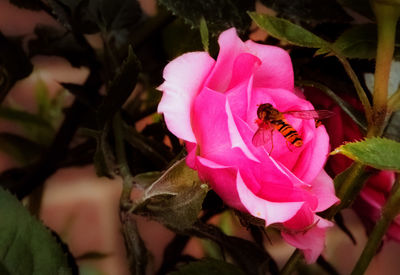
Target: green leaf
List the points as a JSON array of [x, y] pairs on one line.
[[91, 16], [24, 118], [120, 87], [37, 129], [204, 33], [81, 94], [309, 11], [20, 149], [219, 14], [14, 64], [289, 32], [145, 179], [209, 267], [179, 38], [89, 270], [27, 246], [147, 147], [358, 42], [113, 14], [42, 98], [249, 256], [212, 250], [52, 41], [50, 109], [103, 157], [175, 199], [380, 153]]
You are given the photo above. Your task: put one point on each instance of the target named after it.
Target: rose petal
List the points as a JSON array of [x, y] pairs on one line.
[[310, 242], [374, 198], [382, 181], [184, 76], [235, 137], [210, 123], [323, 189], [222, 179], [266, 181], [246, 135], [239, 97], [244, 66], [304, 218], [191, 148], [271, 212], [313, 157], [230, 46], [275, 70]]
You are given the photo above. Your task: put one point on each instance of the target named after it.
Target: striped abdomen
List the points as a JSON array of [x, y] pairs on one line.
[[288, 132]]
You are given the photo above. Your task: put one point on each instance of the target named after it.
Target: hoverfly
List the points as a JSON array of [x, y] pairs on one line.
[[270, 119]]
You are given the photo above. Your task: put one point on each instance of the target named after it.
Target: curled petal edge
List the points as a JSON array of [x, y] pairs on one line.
[[271, 212], [184, 77]]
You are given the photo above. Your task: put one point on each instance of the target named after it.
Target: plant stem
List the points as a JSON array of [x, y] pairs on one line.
[[349, 188], [386, 16], [124, 171], [292, 262], [135, 248], [389, 212], [357, 85]]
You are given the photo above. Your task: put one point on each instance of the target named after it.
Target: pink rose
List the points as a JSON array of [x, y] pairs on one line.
[[212, 105], [342, 128]]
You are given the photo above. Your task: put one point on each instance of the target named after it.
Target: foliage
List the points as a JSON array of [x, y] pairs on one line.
[[103, 124], [14, 64], [21, 234], [175, 198], [292, 33], [309, 10], [380, 153], [220, 15]]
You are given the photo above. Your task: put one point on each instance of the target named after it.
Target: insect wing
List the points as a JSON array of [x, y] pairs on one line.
[[262, 137], [310, 114]]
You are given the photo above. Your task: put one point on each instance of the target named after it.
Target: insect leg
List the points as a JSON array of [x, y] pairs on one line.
[[272, 141], [288, 144]]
